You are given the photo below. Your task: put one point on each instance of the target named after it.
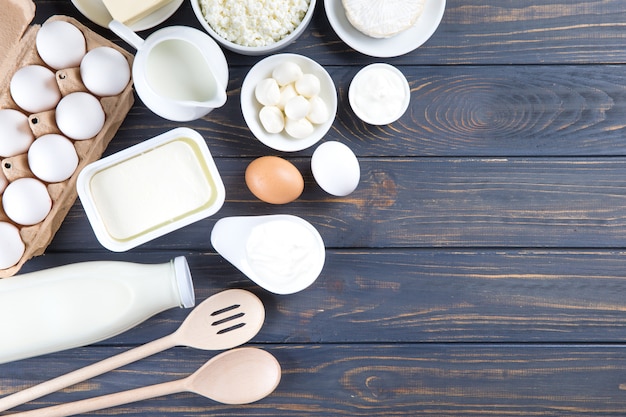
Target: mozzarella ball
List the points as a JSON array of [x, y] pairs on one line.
[[287, 92], [272, 119], [298, 129], [267, 92], [308, 85], [286, 73], [297, 108], [318, 112]]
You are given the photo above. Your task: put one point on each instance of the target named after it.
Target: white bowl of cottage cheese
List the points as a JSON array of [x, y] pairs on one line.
[[250, 27]]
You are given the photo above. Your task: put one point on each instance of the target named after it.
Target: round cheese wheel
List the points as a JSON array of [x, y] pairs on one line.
[[382, 18]]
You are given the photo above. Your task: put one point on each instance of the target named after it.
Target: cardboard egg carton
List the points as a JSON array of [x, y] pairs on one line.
[[17, 47]]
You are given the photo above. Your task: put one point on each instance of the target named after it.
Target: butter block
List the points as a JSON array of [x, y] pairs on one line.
[[131, 11]]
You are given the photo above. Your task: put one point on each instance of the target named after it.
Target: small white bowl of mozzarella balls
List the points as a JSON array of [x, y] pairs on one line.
[[288, 101]]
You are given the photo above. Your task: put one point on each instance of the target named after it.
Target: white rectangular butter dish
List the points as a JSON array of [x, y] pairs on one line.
[[150, 189]]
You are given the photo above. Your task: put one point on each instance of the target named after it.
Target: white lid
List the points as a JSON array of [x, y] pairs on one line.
[[184, 282]]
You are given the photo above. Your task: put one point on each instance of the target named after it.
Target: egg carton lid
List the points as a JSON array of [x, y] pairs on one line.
[[14, 20]]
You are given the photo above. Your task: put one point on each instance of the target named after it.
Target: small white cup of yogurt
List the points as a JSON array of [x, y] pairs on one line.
[[282, 253], [379, 94]]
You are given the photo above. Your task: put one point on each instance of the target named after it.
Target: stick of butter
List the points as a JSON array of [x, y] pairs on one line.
[[129, 12]]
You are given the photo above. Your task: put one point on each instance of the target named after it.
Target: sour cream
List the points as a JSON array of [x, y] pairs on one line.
[[283, 252], [379, 94]]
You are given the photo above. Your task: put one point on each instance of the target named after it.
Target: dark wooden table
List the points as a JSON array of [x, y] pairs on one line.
[[480, 267]]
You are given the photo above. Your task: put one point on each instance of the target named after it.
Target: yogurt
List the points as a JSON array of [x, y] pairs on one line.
[[282, 251], [379, 94]]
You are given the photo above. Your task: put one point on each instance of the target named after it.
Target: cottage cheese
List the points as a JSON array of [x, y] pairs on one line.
[[254, 22]]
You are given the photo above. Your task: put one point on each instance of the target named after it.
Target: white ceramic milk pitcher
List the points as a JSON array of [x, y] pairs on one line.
[[179, 72]]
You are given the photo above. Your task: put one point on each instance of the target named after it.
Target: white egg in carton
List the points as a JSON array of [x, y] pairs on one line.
[[64, 95]]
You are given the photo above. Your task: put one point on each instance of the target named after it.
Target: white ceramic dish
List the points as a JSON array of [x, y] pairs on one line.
[[352, 94], [255, 50], [400, 44], [95, 11], [150, 189], [230, 237], [250, 107]]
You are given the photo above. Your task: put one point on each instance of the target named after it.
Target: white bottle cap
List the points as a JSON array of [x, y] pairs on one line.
[[184, 282]]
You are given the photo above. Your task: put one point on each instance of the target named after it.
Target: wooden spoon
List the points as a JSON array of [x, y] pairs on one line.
[[225, 320], [238, 376]]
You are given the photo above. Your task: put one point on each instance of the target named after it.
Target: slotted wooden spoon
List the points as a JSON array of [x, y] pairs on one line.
[[237, 376], [225, 320]]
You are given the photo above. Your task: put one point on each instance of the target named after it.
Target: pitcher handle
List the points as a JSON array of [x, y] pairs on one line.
[[126, 34]]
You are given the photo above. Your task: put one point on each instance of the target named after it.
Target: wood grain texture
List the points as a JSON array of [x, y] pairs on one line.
[[471, 32], [454, 111], [418, 296], [385, 380], [431, 202], [478, 270]]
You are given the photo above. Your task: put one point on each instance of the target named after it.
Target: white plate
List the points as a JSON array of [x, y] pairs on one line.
[[250, 107], [400, 44], [95, 11]]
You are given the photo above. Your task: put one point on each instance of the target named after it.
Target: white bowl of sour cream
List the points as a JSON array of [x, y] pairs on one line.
[[281, 253], [379, 94]]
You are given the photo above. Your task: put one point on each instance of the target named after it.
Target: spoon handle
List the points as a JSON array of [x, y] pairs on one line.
[[106, 401], [87, 372]]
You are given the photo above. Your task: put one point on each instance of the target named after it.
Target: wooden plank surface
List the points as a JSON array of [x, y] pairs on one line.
[[432, 202], [385, 380], [478, 270], [535, 110], [420, 296]]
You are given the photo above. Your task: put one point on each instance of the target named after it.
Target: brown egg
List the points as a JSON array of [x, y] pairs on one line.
[[274, 180]]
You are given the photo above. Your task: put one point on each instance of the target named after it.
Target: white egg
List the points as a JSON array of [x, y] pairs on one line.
[[297, 108], [105, 71], [80, 116], [15, 134], [11, 245], [60, 44], [299, 129], [286, 73], [287, 92], [335, 168], [3, 181], [267, 92], [272, 119], [318, 113], [26, 201], [34, 88], [52, 158], [308, 85]]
